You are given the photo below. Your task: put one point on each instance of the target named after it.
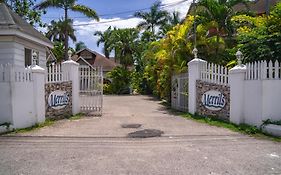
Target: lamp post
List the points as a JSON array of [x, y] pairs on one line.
[[239, 56]]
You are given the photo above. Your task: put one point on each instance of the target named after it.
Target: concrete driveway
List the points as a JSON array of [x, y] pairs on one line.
[[98, 145]]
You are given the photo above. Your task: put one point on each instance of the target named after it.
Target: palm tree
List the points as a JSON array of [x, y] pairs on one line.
[[172, 20], [104, 37], [155, 17], [79, 46], [56, 30], [217, 14], [67, 5], [124, 42]]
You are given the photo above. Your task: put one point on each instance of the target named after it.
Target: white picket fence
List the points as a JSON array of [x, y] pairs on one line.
[[262, 70], [9, 73], [214, 73], [56, 74]]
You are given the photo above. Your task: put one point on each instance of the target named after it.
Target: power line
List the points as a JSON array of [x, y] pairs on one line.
[[131, 11], [130, 17]]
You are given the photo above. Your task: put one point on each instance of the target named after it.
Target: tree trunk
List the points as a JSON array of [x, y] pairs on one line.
[[66, 35]]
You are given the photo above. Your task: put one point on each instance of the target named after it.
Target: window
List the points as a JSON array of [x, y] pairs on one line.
[[28, 57]]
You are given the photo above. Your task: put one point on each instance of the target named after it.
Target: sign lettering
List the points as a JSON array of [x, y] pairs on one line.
[[58, 99], [213, 100]]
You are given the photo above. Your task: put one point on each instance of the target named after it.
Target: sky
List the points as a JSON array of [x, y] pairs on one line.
[[116, 13]]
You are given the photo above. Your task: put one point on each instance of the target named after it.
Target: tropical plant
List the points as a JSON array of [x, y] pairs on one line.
[[56, 30], [166, 57], [152, 19], [105, 38], [58, 50], [67, 5]]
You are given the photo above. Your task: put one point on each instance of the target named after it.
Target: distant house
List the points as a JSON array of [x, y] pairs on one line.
[[94, 59], [19, 40]]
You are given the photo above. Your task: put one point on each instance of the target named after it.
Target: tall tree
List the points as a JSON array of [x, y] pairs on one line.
[[79, 46], [104, 37], [67, 5], [217, 15], [24, 8], [172, 20], [56, 30], [152, 19], [124, 42]]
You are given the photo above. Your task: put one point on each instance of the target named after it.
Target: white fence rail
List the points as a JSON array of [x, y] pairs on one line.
[[214, 73], [9, 73], [262, 70], [55, 73]]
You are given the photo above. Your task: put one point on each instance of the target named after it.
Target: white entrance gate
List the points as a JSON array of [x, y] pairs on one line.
[[91, 89], [179, 95]]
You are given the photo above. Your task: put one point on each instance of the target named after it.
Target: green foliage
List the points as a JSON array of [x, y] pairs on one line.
[[24, 8], [58, 51], [259, 37], [120, 81]]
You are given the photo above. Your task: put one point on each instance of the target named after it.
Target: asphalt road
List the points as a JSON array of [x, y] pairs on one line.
[[99, 146]]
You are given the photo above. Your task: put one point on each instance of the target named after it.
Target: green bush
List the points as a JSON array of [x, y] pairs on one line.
[[121, 79]]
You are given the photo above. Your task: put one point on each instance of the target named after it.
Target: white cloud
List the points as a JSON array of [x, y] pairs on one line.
[[85, 32], [182, 8]]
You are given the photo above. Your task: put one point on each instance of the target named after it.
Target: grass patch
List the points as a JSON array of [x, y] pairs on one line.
[[242, 128], [76, 117], [47, 122]]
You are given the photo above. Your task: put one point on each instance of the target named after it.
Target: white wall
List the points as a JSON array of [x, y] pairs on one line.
[[271, 100], [23, 105], [253, 98], [5, 103]]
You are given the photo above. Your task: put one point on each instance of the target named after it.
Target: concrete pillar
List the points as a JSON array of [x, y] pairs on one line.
[[70, 69], [38, 74], [236, 82], [194, 70]]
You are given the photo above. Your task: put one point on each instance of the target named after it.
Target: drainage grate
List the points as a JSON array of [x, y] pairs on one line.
[[131, 125], [146, 133]]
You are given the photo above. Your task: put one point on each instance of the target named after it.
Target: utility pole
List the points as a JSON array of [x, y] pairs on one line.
[[194, 24]]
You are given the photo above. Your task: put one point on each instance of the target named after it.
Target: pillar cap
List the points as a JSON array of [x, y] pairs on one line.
[[71, 62], [238, 69], [37, 69]]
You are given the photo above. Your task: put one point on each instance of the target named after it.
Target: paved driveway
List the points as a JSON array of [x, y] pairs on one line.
[[98, 145]]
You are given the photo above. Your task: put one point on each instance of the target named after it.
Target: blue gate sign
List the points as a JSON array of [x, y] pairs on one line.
[[213, 100], [58, 99]]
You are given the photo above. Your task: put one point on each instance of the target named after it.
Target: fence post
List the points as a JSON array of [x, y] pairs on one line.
[[70, 69], [194, 70], [38, 75], [236, 82]]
